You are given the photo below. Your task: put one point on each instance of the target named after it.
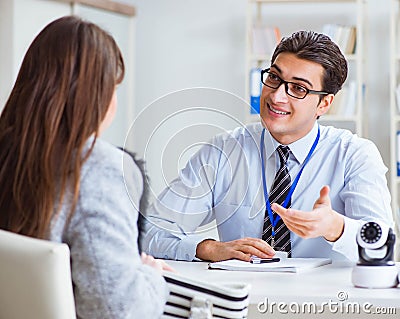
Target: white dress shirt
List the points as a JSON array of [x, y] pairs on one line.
[[223, 182]]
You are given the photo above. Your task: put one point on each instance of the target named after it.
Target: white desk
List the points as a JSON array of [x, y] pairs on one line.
[[318, 286]]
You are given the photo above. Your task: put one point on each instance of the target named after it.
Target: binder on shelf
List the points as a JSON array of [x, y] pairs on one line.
[[398, 152], [255, 90]]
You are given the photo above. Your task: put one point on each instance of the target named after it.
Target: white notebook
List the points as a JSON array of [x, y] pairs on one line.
[[284, 265]]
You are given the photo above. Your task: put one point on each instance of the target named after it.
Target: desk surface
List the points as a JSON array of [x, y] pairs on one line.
[[318, 285]]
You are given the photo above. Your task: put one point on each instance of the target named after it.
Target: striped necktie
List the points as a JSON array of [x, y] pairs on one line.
[[280, 189]]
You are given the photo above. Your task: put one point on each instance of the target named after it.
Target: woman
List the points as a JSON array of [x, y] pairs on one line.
[[60, 182]]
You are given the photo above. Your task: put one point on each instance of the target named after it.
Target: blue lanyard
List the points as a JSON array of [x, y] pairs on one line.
[[292, 187]]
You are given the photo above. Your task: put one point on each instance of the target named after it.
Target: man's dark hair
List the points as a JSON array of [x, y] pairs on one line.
[[318, 48]]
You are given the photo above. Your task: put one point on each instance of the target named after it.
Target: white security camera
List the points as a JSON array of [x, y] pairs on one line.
[[372, 235], [376, 267], [375, 237]]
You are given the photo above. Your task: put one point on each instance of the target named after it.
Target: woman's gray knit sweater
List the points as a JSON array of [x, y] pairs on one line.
[[108, 277]]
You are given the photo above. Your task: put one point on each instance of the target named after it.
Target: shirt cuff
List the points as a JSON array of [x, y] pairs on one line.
[[346, 245], [187, 247]]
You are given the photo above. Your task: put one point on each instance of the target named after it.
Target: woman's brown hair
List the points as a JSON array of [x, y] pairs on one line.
[[60, 98]]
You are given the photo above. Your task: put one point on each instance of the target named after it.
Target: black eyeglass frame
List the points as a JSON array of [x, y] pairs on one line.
[[308, 91]]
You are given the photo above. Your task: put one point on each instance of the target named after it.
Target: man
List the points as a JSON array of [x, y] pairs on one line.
[[286, 183]]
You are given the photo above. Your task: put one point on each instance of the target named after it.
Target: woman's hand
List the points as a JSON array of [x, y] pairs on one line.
[[158, 264]]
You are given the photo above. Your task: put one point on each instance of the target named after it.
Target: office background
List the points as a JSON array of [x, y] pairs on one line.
[[183, 44], [189, 43]]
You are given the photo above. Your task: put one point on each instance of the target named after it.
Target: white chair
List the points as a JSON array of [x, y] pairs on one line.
[[35, 279]]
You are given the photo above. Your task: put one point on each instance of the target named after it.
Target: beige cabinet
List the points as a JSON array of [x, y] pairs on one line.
[[21, 20]]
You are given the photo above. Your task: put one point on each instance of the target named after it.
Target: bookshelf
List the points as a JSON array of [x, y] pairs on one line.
[[394, 112], [282, 17]]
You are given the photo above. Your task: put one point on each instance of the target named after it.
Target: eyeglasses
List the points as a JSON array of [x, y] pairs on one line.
[[295, 90]]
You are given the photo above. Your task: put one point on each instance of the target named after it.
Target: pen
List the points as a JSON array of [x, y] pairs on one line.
[[264, 260]]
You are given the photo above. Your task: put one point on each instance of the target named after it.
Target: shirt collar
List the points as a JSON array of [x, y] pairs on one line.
[[299, 149]]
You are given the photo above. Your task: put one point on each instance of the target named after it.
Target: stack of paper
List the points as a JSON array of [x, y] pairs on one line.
[[284, 265]]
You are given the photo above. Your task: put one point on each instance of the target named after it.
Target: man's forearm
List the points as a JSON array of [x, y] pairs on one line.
[[204, 249]]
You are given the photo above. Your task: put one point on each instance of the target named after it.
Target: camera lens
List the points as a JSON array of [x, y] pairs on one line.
[[371, 232]]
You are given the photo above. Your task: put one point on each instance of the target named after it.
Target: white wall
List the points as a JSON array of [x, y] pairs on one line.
[[186, 43], [182, 44]]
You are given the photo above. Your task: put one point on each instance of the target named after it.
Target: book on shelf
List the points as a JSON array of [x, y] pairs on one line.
[[351, 100], [398, 98], [344, 36], [338, 102], [294, 265], [264, 39], [351, 43]]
